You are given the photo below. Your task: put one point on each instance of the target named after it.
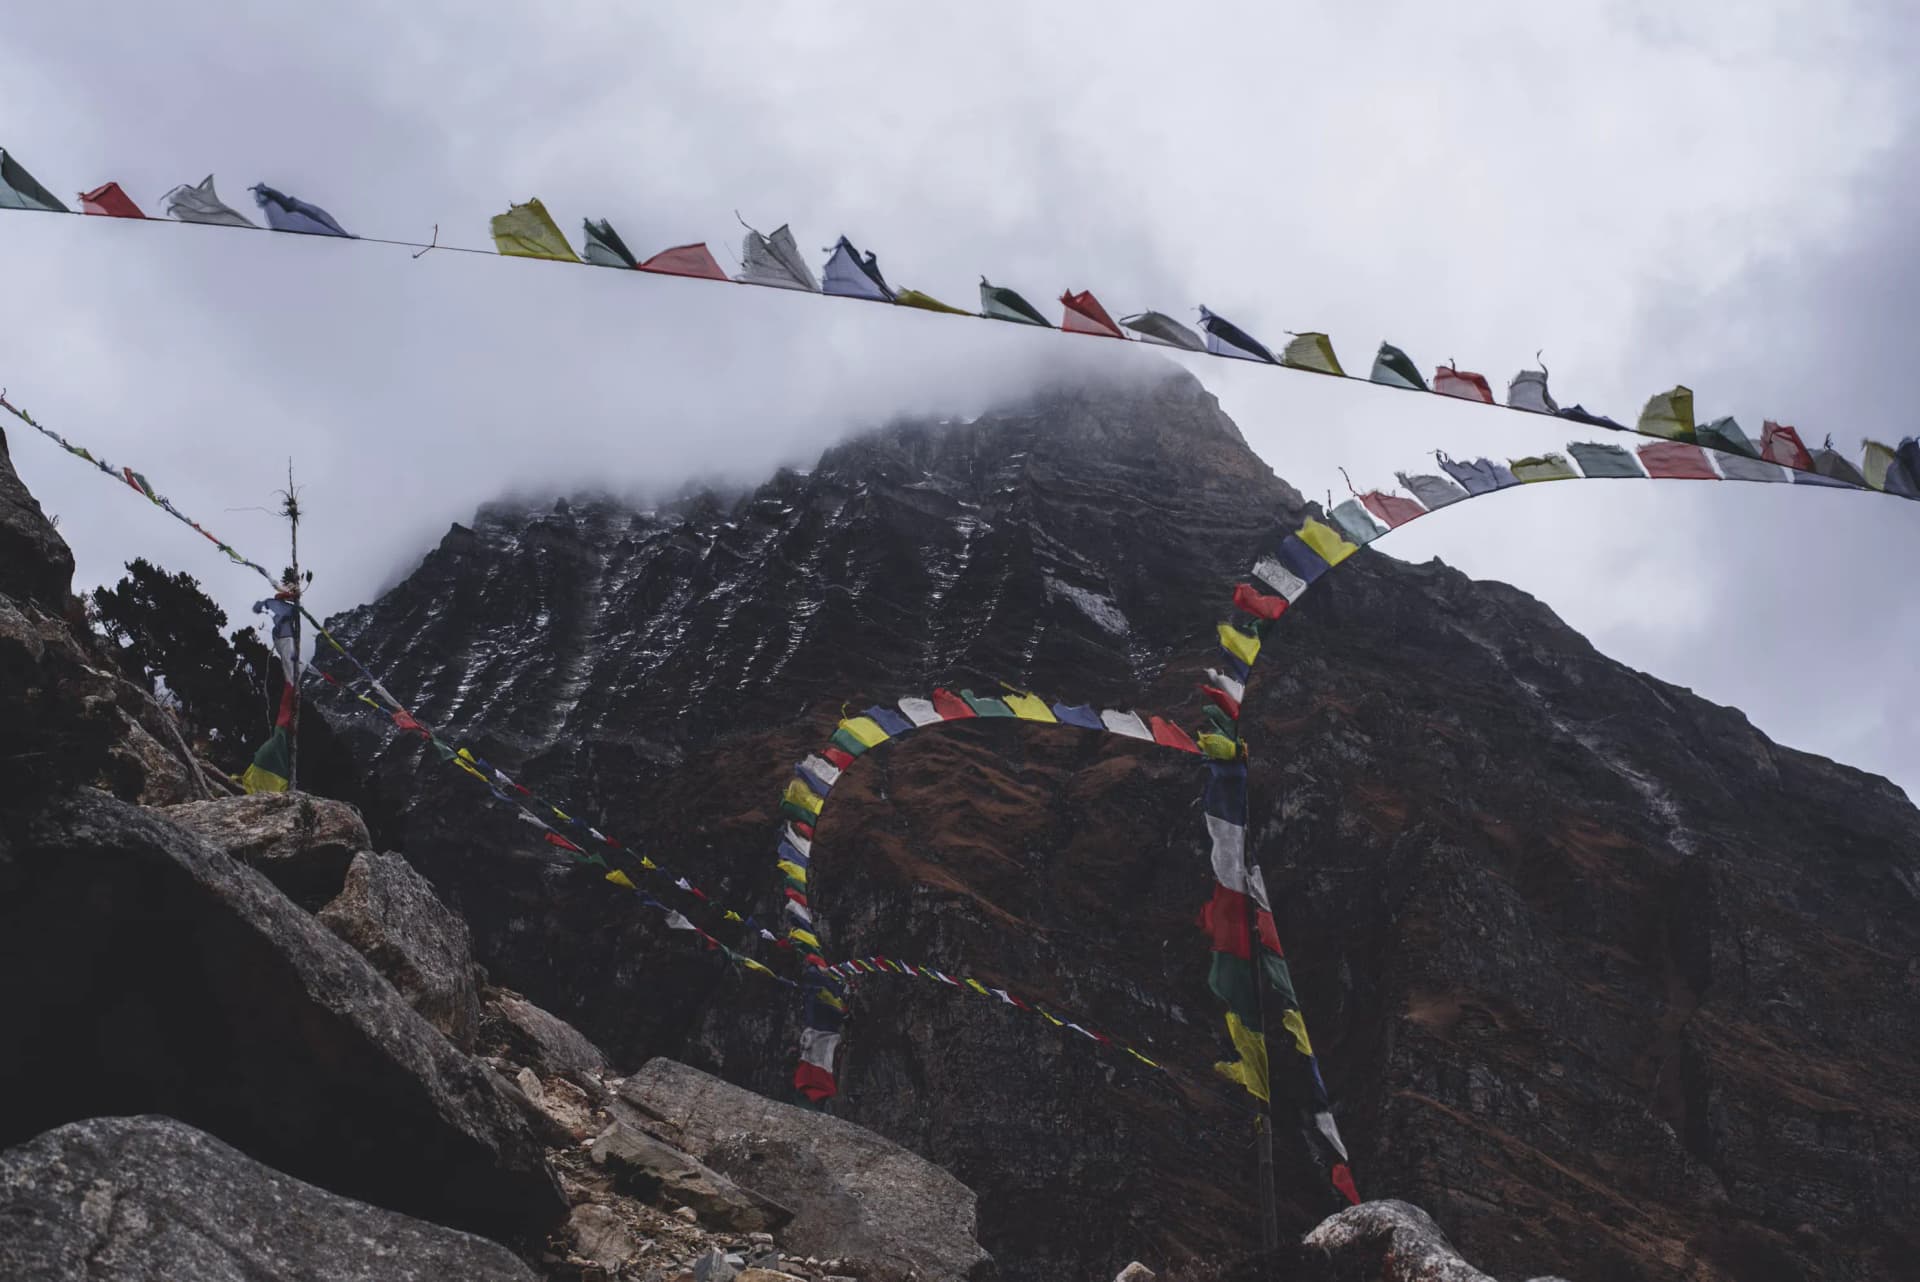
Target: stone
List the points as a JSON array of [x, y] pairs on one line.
[[714, 1266], [147, 771], [765, 1273], [597, 1233], [389, 913], [1392, 1242], [1134, 1272], [649, 1168], [301, 843], [142, 970], [687, 1214], [35, 563], [132, 1199], [529, 1035], [853, 1195]]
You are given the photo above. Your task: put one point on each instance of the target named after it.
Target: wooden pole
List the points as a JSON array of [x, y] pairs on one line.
[[290, 508]]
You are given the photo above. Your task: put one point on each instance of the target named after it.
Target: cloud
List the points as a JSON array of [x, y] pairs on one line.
[[1527, 177]]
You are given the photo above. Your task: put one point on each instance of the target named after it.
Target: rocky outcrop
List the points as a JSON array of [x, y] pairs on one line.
[[132, 1199], [650, 1169], [141, 970], [518, 1030], [389, 913], [301, 843], [1391, 1242], [853, 1195], [36, 566]]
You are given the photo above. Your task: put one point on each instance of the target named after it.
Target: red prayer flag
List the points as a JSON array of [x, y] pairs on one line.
[[1391, 508], [796, 896], [406, 722], [1458, 382], [1258, 604], [289, 700], [805, 830], [1343, 1180], [685, 260], [1782, 445], [1169, 735], [840, 757], [555, 839], [1084, 315], [1677, 460], [108, 201], [814, 1082], [951, 706], [1227, 703], [1224, 918]]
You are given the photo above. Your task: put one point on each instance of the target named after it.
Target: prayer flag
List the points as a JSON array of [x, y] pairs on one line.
[[1432, 491], [108, 201], [920, 711], [1725, 434], [1545, 467], [1084, 315], [1224, 338], [1125, 723], [528, 231], [1391, 508], [1312, 352], [775, 261], [1163, 330], [1668, 414], [1030, 708], [1528, 391], [984, 706], [1678, 461], [1604, 460], [289, 213], [1782, 445], [1464, 384], [1353, 520], [999, 303], [1579, 414], [694, 260], [272, 764], [21, 190], [1278, 577], [1169, 735], [602, 246], [1079, 714], [951, 706], [1396, 369], [925, 302], [1330, 546], [1258, 604], [848, 275]]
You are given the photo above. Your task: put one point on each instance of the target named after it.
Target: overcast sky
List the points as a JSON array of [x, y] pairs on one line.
[[1719, 194]]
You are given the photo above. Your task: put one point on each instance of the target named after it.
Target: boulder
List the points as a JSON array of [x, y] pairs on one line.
[[597, 1233], [301, 843], [1389, 1241], [1134, 1272], [855, 1196], [390, 914], [145, 770], [648, 1168], [141, 970], [35, 563], [129, 1199], [526, 1034]]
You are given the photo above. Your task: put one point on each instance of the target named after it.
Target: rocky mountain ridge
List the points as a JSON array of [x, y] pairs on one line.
[[1597, 972]]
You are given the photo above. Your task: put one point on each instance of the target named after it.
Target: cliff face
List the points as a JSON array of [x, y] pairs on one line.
[[1599, 975]]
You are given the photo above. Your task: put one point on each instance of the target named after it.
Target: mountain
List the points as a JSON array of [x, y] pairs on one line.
[[1598, 974]]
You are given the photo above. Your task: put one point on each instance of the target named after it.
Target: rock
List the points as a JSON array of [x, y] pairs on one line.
[[141, 970], [761, 1273], [390, 914], [147, 771], [1134, 1272], [648, 1168], [714, 1266], [853, 1195], [131, 1199], [599, 1234], [301, 843], [1392, 1242], [527, 1034], [687, 1214], [35, 563]]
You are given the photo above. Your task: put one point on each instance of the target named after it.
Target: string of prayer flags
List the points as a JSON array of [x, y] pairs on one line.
[[528, 231]]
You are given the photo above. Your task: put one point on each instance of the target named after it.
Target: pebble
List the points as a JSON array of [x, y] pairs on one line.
[[686, 1213]]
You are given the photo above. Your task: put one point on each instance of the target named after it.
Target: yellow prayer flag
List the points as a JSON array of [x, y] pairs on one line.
[[802, 935], [1238, 644], [619, 878], [1874, 466], [1050, 1019], [926, 303], [1029, 707], [1327, 544], [1296, 1024], [732, 915], [1668, 414], [1314, 352], [831, 999], [975, 985], [751, 964], [648, 864], [528, 231], [864, 729], [804, 797], [793, 870], [1250, 1070], [1218, 746]]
